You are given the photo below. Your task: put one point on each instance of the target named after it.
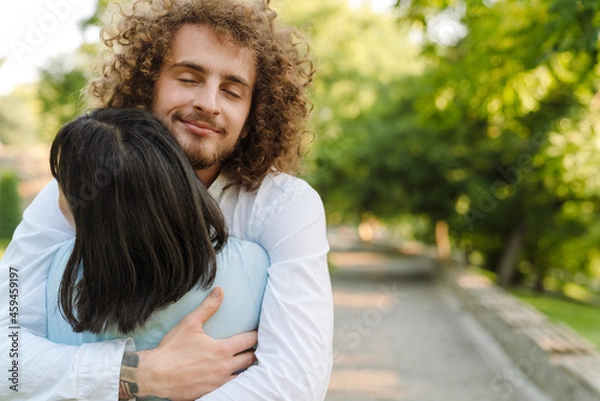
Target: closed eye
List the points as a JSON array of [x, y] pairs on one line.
[[232, 93]]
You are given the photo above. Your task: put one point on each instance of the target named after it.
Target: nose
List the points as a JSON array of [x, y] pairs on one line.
[[206, 100]]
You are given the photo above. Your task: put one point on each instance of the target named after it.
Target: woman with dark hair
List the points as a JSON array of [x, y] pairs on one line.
[[148, 239], [231, 84]]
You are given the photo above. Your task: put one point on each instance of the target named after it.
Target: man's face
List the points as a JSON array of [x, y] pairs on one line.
[[203, 94]]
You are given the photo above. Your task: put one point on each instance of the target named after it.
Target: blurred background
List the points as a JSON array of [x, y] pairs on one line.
[[466, 128]]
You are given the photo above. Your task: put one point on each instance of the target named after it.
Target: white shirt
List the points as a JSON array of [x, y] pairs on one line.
[[285, 216]]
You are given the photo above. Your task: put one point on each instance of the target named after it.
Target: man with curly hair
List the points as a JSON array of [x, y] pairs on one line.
[[230, 84]]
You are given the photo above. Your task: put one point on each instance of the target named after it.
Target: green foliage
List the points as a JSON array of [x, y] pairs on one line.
[[33, 113], [359, 55], [59, 92], [19, 120], [62, 80], [498, 105], [3, 245], [10, 204], [498, 134], [96, 18]]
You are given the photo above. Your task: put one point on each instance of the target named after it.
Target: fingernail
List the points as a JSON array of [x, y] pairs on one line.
[[216, 292]]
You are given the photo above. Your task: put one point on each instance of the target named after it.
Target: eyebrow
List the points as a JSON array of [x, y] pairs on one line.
[[196, 67]]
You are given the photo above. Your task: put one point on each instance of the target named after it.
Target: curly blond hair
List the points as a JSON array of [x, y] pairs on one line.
[[140, 37]]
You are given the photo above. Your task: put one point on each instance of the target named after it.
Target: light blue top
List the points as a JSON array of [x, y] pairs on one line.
[[241, 273]]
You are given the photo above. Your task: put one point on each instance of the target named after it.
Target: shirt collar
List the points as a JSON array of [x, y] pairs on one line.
[[218, 185]]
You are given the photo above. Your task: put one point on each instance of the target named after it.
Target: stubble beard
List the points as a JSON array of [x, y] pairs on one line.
[[197, 155], [201, 161]]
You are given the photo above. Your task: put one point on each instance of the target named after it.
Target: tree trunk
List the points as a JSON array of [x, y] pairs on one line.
[[541, 269], [507, 266], [539, 284], [442, 240]]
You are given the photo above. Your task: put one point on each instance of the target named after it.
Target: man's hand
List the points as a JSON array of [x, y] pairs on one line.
[[187, 363]]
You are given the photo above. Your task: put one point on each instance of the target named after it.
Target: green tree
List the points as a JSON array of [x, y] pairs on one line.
[[522, 77], [95, 19], [61, 82], [19, 116], [495, 136], [359, 54], [59, 91], [10, 203]]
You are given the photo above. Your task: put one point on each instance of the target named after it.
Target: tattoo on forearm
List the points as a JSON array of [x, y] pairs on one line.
[[128, 387]]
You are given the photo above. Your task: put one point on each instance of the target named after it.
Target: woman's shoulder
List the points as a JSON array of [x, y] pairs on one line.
[[62, 254], [242, 254]]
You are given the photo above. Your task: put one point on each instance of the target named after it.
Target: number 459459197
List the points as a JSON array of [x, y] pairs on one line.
[[13, 294]]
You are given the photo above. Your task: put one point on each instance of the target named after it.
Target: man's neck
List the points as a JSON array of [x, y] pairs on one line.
[[208, 175]]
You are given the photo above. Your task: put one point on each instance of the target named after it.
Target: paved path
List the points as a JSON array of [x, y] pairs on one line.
[[401, 335]]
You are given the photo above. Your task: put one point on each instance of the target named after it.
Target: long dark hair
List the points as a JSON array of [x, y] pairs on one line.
[[147, 231]]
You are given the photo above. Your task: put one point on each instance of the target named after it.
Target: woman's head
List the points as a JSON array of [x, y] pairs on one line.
[[147, 230]]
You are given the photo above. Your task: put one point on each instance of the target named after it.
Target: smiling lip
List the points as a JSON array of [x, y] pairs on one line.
[[201, 129]]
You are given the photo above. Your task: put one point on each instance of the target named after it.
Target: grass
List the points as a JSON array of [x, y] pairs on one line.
[[581, 317], [584, 319]]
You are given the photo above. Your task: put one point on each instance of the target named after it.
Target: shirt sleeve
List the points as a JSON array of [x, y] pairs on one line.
[[37, 368], [295, 331]]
